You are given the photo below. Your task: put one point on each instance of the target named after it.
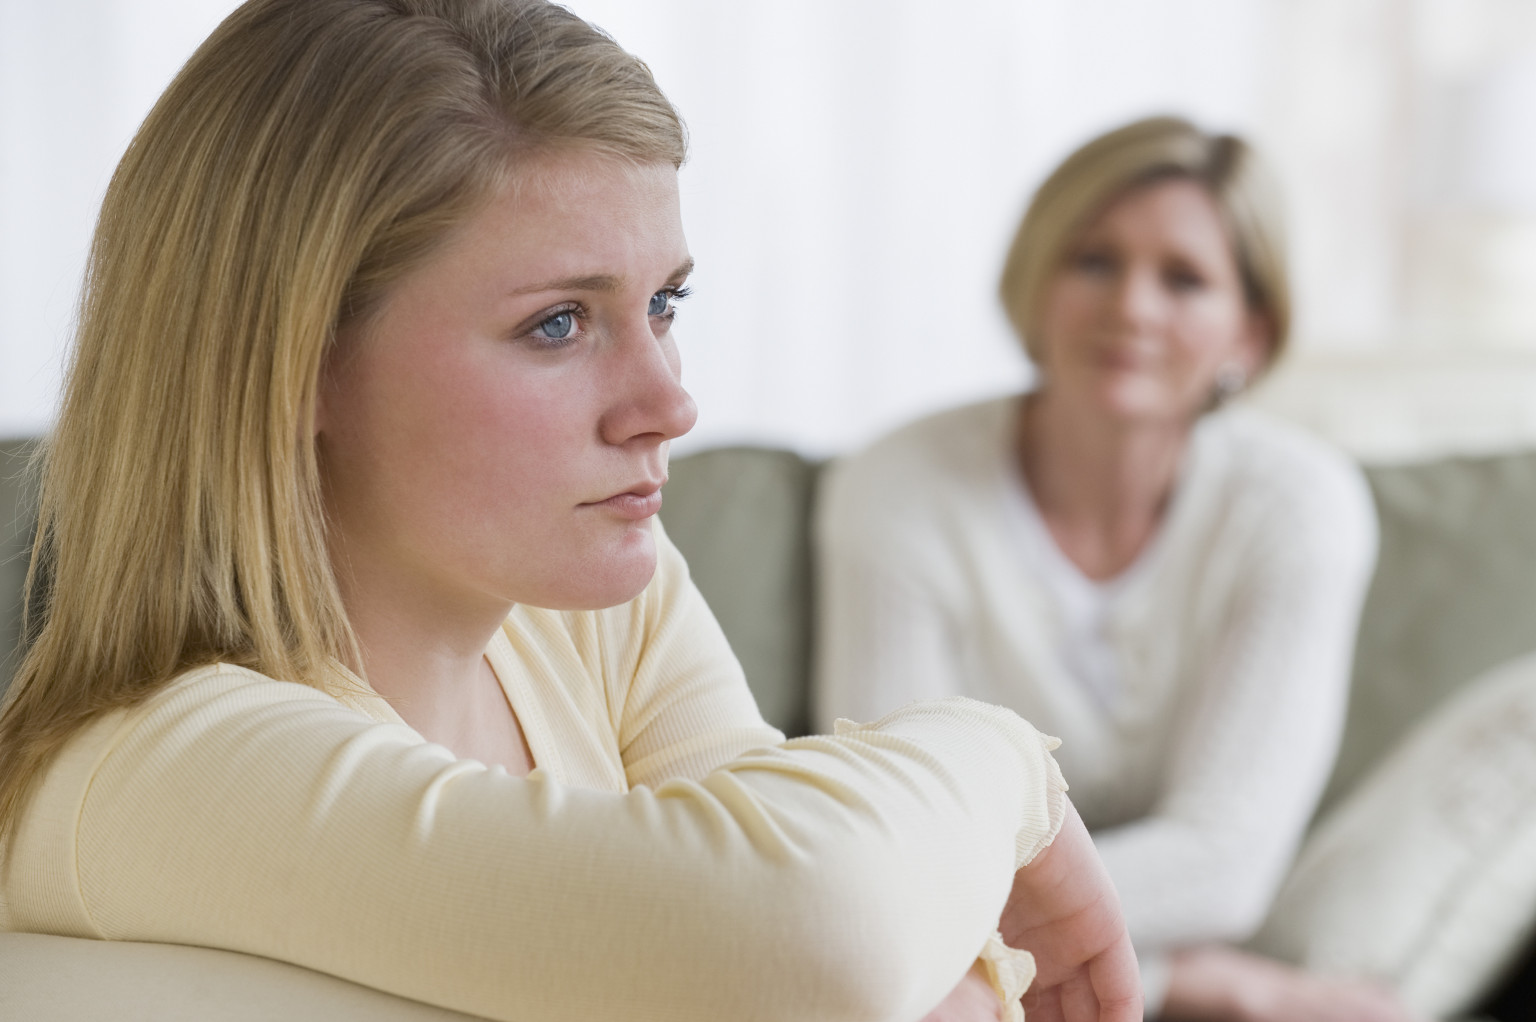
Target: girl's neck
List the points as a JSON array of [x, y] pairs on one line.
[[1102, 487], [437, 677], [423, 647]]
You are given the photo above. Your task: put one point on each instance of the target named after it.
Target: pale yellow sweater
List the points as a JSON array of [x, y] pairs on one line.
[[671, 858]]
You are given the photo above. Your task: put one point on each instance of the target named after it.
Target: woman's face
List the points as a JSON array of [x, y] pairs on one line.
[[1146, 307], [498, 432]]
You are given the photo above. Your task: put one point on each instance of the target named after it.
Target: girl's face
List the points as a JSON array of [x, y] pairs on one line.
[[1147, 307], [498, 432]]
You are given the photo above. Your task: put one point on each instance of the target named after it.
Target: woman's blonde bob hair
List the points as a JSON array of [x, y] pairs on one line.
[[309, 153], [1129, 157]]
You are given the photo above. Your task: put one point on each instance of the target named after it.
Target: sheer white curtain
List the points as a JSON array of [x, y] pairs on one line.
[[76, 78], [858, 170], [858, 167]]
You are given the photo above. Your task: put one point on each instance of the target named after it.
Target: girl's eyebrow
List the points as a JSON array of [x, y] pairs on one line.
[[597, 282]]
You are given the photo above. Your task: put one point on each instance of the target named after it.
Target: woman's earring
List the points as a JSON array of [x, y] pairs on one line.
[[1231, 378]]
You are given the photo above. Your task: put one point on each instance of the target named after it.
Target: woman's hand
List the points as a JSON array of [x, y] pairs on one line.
[[973, 1000], [1064, 910], [1223, 984]]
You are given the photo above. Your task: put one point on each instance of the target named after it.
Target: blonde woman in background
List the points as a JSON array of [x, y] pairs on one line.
[[1170, 585], [359, 647]]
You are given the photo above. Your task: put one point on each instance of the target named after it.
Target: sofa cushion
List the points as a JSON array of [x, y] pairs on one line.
[[17, 516], [741, 517], [1454, 594]]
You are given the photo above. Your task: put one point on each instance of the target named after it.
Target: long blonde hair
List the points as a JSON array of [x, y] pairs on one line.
[[1135, 154], [309, 153]]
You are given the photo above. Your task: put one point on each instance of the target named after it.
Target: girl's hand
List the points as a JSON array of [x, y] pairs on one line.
[[1064, 910], [973, 1000]]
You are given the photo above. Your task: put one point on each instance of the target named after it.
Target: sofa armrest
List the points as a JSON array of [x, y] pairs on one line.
[[68, 979]]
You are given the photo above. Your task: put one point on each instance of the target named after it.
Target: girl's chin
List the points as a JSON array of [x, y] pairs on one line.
[[607, 581]]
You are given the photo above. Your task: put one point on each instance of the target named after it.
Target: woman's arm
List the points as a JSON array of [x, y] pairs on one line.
[[882, 637], [687, 711], [678, 703], [849, 877], [1259, 736]]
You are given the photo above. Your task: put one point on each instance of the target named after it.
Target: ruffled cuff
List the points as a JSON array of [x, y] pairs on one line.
[[1043, 819], [1010, 971]]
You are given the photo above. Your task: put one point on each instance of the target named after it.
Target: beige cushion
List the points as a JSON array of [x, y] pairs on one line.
[[1425, 875], [66, 979]]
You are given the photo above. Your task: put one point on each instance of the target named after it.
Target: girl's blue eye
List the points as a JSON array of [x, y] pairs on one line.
[[660, 301], [558, 327]]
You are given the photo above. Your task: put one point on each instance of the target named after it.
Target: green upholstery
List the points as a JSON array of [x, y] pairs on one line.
[[16, 524], [741, 516], [1454, 593]]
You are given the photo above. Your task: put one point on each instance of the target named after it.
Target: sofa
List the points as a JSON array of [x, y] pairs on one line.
[[1454, 595]]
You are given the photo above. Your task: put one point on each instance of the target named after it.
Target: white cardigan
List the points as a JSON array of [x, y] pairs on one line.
[[1233, 636]]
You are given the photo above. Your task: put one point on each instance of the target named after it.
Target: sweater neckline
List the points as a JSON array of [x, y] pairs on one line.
[[1023, 508], [355, 693]]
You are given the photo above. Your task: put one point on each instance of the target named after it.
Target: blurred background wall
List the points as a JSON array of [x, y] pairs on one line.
[[858, 167]]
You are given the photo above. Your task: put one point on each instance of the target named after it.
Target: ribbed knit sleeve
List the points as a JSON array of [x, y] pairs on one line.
[[679, 703], [894, 598], [830, 878], [1259, 724]]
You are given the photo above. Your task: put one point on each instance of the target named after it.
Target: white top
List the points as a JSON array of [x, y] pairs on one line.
[[1198, 754], [670, 858], [1087, 604]]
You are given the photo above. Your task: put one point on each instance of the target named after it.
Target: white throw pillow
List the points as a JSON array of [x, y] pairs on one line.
[[1425, 875]]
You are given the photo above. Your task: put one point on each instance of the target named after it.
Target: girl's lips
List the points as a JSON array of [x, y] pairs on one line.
[[635, 506]]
